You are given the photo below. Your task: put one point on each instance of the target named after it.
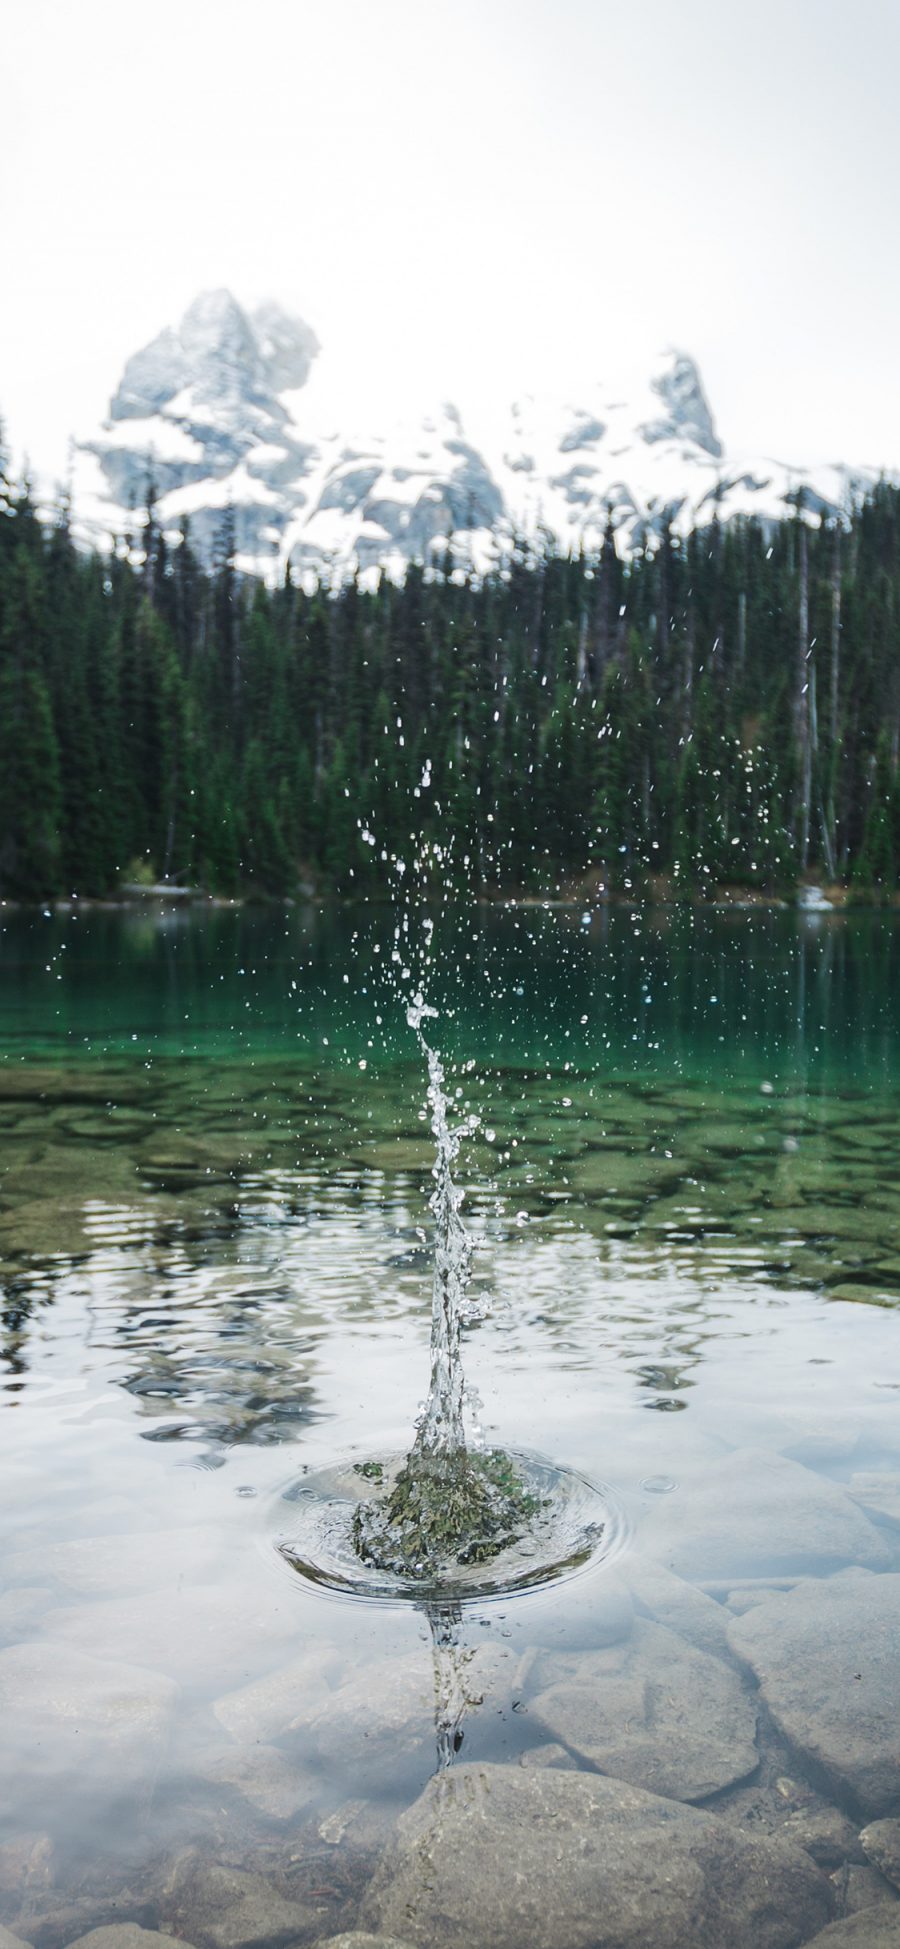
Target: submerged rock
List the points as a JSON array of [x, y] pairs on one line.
[[752, 1514], [881, 1840], [506, 1857], [119, 1563], [26, 1866], [22, 1612], [63, 1711], [654, 1712], [878, 1492], [266, 1707], [383, 1717], [10, 1941], [827, 1656], [870, 1928], [862, 1888], [123, 1935], [200, 1634], [264, 1777], [826, 1834], [658, 1593], [221, 1907], [358, 1939]]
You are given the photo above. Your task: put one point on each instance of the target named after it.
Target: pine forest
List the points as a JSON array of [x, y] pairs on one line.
[[720, 712]]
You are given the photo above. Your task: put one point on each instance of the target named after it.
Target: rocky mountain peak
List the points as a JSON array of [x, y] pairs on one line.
[[230, 411], [686, 414], [219, 354]]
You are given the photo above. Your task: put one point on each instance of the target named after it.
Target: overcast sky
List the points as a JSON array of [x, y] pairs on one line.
[[464, 197]]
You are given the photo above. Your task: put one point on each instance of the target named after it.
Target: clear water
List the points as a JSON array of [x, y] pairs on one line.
[[213, 1246]]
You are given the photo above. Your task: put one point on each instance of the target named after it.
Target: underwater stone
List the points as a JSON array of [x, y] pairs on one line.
[[265, 1708], [192, 1632], [597, 1611], [878, 1492], [64, 1710], [826, 1834], [358, 1939], [660, 1594], [123, 1935], [506, 1856], [384, 1715], [871, 1928], [827, 1656], [119, 1563], [861, 1888], [23, 1611], [753, 1514], [26, 1865], [881, 1840], [654, 1712], [227, 1908], [264, 1777], [10, 1941]]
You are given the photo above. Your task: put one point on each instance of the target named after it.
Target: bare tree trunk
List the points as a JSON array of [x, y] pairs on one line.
[[687, 682], [835, 694], [801, 704]]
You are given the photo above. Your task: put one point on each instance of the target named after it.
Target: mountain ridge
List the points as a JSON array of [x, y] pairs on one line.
[[234, 416]]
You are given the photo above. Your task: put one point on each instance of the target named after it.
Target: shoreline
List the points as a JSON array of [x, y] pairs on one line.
[[808, 898]]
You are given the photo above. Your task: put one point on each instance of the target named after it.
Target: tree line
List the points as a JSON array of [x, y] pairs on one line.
[[722, 709]]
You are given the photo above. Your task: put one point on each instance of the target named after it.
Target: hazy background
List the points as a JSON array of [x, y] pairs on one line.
[[464, 197]]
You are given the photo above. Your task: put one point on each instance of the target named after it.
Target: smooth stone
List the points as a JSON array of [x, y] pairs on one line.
[[870, 1928], [878, 1492], [200, 1634], [861, 1888], [22, 1611], [43, 1229], [123, 1935], [94, 1564], [654, 1712], [267, 1706], [358, 1939], [384, 1715], [10, 1941], [61, 1709], [745, 1597], [265, 1778], [853, 1293], [227, 1908], [26, 1865], [361, 1824], [881, 1841], [506, 1857], [752, 1514], [598, 1610], [659, 1594], [550, 1754], [826, 1834], [827, 1656]]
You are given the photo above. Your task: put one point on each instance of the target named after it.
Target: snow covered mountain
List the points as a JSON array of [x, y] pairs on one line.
[[231, 418]]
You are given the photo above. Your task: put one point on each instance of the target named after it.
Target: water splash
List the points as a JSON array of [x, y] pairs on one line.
[[440, 1430], [451, 1699], [450, 1504]]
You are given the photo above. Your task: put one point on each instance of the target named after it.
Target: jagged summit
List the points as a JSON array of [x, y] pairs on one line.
[[219, 354], [237, 409]]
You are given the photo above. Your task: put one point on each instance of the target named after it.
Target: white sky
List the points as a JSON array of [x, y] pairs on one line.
[[464, 198]]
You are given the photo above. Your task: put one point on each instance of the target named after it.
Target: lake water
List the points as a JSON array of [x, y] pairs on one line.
[[214, 1255]]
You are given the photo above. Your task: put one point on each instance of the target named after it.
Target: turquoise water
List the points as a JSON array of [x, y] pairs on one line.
[[215, 1270], [663, 989]]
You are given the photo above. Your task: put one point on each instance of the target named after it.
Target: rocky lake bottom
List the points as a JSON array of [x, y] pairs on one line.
[[214, 1266]]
